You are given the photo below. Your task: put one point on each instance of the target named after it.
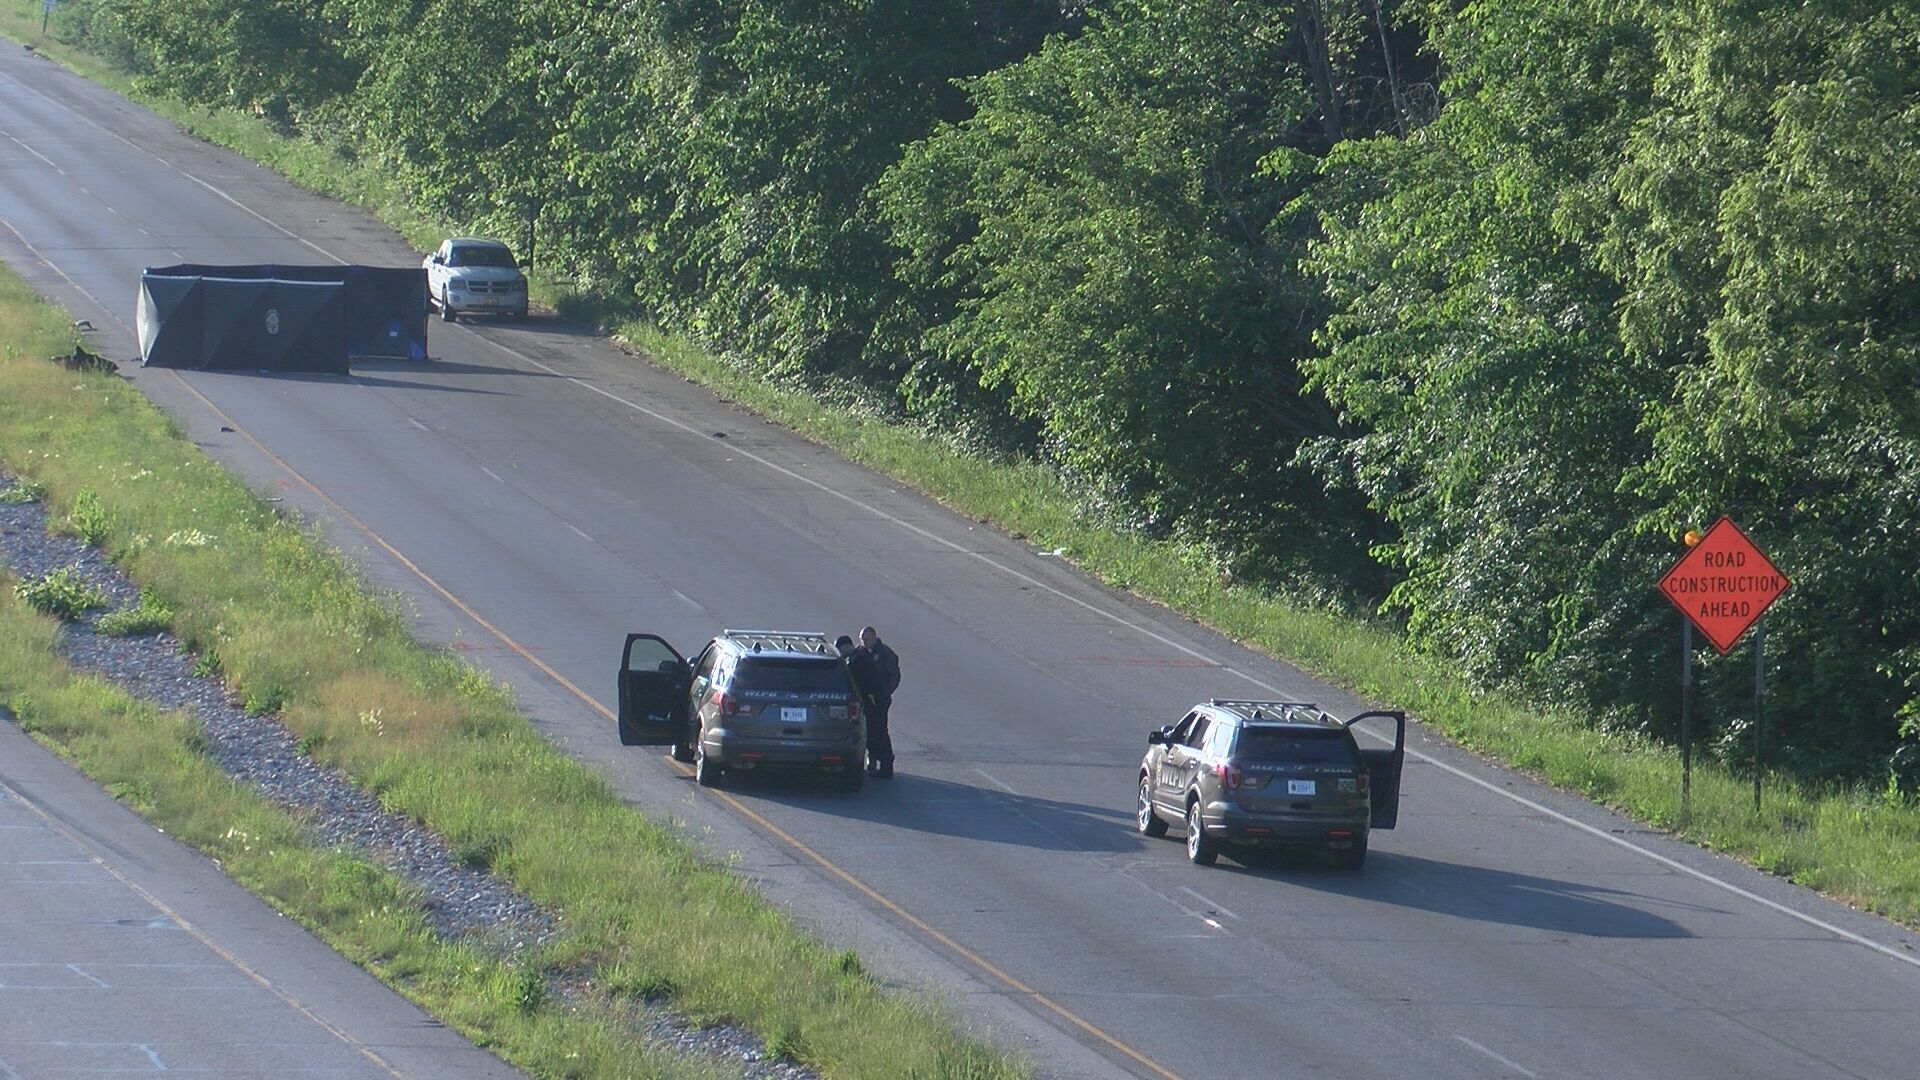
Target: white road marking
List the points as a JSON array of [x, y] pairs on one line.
[[76, 969], [997, 782], [90, 121], [1214, 905], [688, 600], [577, 532], [419, 425], [17, 141], [85, 847], [491, 473], [1509, 1064], [1009, 571]]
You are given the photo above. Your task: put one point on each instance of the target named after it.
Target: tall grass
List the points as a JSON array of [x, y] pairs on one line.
[[292, 629]]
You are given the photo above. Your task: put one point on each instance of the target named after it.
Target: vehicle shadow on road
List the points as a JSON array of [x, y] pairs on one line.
[[942, 807], [434, 365], [1484, 894], [359, 376]]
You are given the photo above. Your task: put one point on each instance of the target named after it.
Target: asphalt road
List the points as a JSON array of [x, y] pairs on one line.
[[123, 952], [539, 479]]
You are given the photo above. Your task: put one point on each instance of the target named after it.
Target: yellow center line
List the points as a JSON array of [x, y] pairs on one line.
[[736, 805]]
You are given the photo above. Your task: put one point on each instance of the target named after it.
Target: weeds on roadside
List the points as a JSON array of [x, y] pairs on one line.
[[23, 492], [145, 617], [89, 520], [62, 594]]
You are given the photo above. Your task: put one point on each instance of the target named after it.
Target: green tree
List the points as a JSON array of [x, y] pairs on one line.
[[1112, 241]]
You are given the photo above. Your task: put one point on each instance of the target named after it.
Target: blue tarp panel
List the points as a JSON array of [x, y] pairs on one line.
[[249, 324], [385, 309]]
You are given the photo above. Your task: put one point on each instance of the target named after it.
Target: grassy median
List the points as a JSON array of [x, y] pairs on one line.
[[290, 628], [1856, 843]]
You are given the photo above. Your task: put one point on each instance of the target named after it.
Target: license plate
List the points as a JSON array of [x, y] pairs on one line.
[[1300, 787], [490, 301], [791, 715]]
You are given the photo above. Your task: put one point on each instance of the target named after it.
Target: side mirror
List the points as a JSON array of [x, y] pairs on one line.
[[1157, 738], [434, 258]]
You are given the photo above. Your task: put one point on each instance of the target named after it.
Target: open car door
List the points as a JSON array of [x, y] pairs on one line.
[[1383, 768], [653, 692]]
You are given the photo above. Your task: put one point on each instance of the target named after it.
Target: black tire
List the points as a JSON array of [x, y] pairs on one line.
[[1145, 819], [852, 777], [1202, 850], [706, 771], [683, 752], [447, 313], [1352, 858]]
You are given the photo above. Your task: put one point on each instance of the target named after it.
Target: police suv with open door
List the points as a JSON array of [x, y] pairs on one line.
[[750, 699], [1270, 774]]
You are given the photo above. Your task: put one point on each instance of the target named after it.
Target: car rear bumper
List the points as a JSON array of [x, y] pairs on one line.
[[1232, 825], [755, 752]]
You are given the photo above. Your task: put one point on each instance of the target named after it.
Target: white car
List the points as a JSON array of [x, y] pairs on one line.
[[468, 275]]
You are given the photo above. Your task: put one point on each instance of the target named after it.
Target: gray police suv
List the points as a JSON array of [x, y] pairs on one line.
[[1270, 774], [751, 699]]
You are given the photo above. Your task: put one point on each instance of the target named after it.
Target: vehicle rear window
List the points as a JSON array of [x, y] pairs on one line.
[[1304, 747], [792, 676]]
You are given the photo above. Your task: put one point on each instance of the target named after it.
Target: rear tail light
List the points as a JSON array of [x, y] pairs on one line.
[[1360, 782], [1229, 775], [726, 703], [853, 710]]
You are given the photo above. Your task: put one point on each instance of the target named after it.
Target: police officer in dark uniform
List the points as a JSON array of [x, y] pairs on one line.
[[876, 673]]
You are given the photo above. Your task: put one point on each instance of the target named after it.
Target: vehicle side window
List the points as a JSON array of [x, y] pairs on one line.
[[1198, 735], [1219, 740], [1181, 730]]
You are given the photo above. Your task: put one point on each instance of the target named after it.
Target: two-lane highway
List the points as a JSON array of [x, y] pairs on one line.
[[538, 494]]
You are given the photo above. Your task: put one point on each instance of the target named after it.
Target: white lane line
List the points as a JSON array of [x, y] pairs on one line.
[[687, 600], [491, 473], [270, 223], [75, 968], [577, 532], [1213, 905], [169, 915], [1007, 570], [21, 143], [997, 782], [419, 425], [77, 287], [1509, 1064]]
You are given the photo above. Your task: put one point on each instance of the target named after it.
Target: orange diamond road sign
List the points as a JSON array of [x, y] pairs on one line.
[[1723, 584]]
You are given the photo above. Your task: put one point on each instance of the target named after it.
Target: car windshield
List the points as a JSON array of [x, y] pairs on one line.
[[1293, 746], [791, 676], [480, 256]]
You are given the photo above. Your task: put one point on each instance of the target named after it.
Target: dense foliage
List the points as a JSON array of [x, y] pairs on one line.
[[1466, 310]]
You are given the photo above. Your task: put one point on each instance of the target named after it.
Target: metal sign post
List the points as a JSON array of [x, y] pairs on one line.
[[1759, 698], [1686, 717]]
